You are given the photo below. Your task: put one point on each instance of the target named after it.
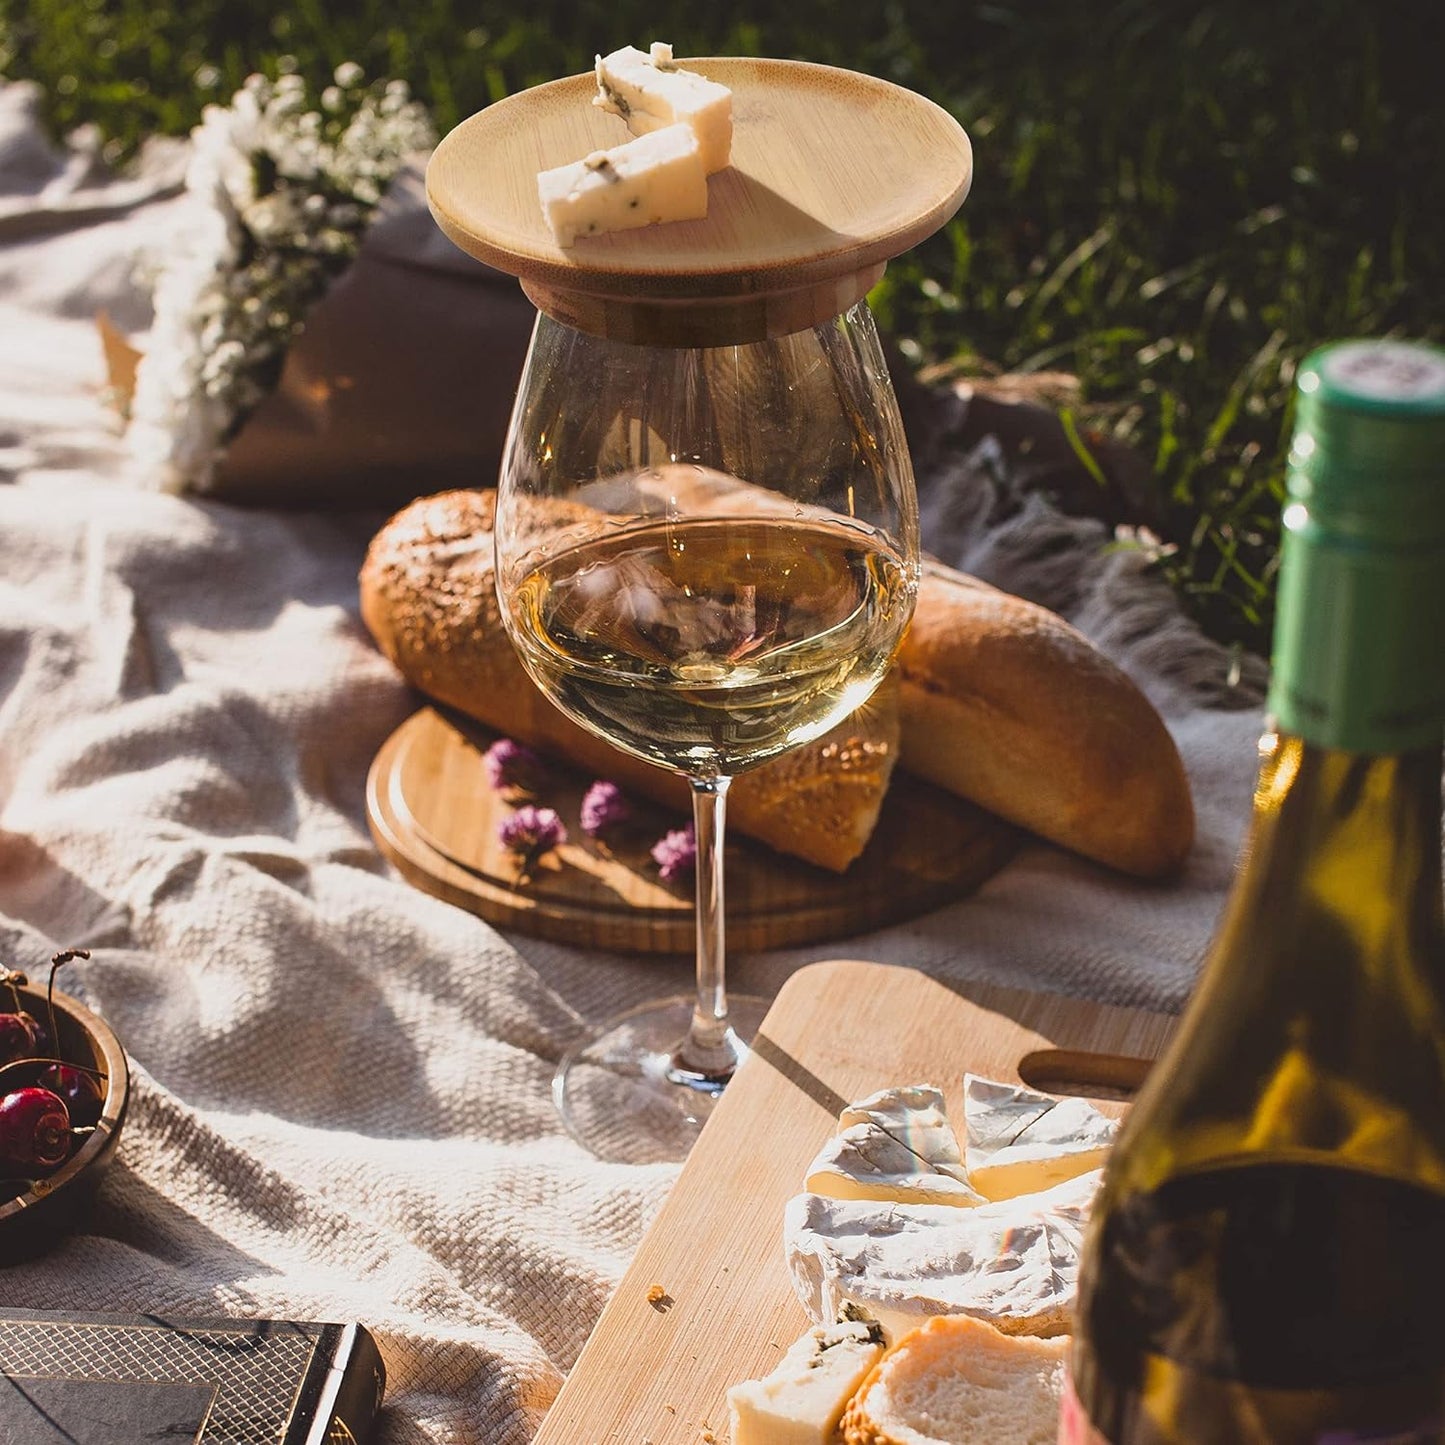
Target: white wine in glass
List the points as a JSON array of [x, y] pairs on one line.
[[707, 556]]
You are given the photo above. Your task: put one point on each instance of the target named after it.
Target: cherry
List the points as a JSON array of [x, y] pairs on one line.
[[22, 1035], [77, 1089], [34, 1132], [19, 1036]]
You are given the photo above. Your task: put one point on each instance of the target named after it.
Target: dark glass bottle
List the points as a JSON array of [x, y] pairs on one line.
[[1266, 1260]]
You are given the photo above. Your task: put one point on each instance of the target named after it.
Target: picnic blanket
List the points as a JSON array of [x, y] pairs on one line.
[[341, 1103]]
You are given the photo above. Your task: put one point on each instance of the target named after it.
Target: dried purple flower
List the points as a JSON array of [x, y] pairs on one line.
[[604, 807], [510, 764], [532, 831], [676, 854]]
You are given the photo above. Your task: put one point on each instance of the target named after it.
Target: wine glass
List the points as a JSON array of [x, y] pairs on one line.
[[706, 555]]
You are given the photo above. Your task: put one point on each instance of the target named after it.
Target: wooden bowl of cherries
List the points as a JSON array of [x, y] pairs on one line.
[[63, 1090]]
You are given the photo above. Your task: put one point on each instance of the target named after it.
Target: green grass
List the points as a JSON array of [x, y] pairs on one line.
[[1171, 202]]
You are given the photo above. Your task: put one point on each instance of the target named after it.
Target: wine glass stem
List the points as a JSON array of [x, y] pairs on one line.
[[711, 1050]]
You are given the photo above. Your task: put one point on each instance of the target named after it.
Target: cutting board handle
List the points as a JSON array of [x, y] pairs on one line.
[[1091, 1076]]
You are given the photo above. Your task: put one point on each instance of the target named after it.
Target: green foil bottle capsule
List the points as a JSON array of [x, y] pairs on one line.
[[1361, 604], [1265, 1264]]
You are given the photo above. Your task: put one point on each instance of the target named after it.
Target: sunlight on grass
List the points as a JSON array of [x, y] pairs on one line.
[[1174, 203]]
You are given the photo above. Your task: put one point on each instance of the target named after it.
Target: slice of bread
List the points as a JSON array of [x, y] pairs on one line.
[[959, 1381]]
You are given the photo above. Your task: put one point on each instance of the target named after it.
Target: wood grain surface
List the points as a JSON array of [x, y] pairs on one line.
[[659, 1372], [833, 173], [435, 815]]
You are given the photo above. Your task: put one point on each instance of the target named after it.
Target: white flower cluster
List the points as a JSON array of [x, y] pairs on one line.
[[279, 196]]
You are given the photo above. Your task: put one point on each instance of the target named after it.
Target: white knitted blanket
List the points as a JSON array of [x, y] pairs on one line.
[[341, 1105]]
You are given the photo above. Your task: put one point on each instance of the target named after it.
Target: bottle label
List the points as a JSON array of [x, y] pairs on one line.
[[1076, 1429]]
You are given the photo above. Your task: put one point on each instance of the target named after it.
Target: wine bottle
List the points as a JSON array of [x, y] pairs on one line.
[[1266, 1260]]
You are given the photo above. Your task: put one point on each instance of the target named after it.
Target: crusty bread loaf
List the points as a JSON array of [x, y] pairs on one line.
[[1004, 703], [428, 599], [958, 1381]]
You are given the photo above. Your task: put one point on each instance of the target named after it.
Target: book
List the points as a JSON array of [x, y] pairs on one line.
[[101, 1379]]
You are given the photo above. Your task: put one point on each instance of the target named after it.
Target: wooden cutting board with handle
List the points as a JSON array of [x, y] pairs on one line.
[[658, 1369]]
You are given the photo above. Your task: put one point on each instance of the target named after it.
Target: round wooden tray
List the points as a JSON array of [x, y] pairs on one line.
[[435, 815], [833, 173]]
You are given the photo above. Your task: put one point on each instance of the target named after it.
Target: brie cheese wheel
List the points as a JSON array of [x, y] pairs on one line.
[[1018, 1141], [657, 177], [802, 1400], [1014, 1263], [650, 91], [896, 1144]]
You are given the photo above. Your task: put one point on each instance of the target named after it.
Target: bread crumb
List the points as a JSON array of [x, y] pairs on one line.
[[659, 1298]]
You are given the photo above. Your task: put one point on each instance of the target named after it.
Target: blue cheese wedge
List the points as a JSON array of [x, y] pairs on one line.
[[894, 1145], [1014, 1263], [657, 177], [802, 1400], [1018, 1141], [651, 91]]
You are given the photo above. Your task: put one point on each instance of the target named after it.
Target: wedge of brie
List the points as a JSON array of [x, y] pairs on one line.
[[1014, 1263], [1018, 1141], [650, 90], [894, 1145], [916, 1110], [801, 1401]]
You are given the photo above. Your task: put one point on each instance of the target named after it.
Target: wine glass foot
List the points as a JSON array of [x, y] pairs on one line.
[[624, 1096]]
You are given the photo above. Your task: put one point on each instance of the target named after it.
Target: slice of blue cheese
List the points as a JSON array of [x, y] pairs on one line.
[[1017, 1141], [801, 1401], [657, 177], [649, 90], [895, 1145]]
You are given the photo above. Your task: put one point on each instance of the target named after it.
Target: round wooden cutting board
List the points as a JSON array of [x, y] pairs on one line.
[[435, 816]]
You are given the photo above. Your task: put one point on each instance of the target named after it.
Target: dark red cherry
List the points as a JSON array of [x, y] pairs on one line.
[[78, 1090], [20, 1035], [34, 1132]]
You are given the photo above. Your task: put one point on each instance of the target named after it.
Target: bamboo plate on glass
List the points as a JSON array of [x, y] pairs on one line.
[[833, 173], [435, 815]]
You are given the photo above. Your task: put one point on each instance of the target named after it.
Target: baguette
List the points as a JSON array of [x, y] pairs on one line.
[[428, 599], [958, 1381], [1004, 703]]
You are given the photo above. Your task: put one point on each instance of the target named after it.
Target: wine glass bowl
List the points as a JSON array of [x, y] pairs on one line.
[[707, 556], [709, 642]]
